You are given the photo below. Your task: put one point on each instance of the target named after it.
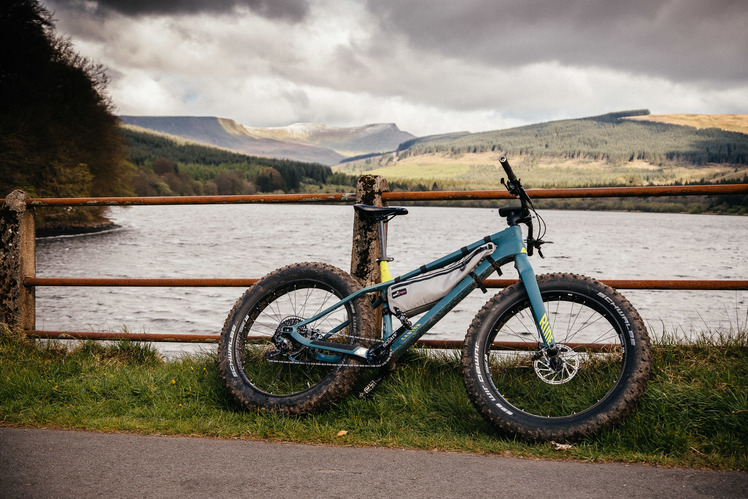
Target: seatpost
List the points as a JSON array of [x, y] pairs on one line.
[[382, 241]]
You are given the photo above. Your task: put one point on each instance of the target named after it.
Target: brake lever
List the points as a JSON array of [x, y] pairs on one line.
[[511, 186], [536, 243]]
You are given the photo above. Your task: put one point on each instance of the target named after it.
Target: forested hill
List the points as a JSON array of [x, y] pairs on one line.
[[168, 165], [610, 137], [147, 145], [230, 135]]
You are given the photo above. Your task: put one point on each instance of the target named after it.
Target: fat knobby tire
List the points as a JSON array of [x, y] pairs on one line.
[[632, 366], [320, 393]]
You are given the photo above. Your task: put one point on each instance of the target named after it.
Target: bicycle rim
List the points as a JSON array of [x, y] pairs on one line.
[[298, 369], [592, 353]]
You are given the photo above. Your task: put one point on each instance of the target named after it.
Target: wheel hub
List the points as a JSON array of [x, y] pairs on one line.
[[283, 343]]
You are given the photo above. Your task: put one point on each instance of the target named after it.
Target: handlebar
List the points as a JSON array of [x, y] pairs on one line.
[[521, 214], [514, 186], [508, 169]]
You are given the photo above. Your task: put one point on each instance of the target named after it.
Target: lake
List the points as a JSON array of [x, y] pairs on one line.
[[206, 241]]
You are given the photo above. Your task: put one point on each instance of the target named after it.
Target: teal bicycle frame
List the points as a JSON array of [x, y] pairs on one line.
[[509, 247]]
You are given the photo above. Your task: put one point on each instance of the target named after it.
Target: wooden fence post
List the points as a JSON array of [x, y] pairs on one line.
[[365, 235], [17, 261]]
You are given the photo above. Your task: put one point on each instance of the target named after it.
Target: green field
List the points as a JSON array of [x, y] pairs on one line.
[[482, 171]]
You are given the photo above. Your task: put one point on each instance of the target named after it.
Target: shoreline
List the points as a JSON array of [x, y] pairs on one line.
[[76, 229]]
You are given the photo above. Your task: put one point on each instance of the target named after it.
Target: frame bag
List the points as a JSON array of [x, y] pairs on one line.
[[419, 293]]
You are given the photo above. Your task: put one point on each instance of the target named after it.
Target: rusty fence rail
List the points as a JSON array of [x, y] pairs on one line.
[[18, 246], [570, 193]]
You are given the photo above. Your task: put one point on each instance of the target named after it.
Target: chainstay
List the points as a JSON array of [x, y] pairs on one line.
[[339, 364], [328, 364]]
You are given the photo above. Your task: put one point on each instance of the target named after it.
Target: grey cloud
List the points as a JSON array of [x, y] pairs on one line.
[[434, 65], [291, 10], [682, 40]]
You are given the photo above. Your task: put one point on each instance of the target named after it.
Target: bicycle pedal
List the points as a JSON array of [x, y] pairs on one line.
[[373, 384], [370, 387]]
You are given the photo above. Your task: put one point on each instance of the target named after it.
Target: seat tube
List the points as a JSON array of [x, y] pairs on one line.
[[527, 274], [383, 260], [384, 271]]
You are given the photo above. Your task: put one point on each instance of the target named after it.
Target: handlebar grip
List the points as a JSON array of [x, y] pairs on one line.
[[508, 169]]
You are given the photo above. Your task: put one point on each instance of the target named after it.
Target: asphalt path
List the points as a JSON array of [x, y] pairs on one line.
[[59, 464]]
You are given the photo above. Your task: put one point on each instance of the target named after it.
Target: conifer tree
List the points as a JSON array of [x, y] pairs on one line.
[[59, 136]]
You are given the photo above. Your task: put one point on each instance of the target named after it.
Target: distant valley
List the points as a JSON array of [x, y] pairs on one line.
[[307, 142]]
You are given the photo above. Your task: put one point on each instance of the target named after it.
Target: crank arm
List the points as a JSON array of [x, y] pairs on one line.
[[356, 350]]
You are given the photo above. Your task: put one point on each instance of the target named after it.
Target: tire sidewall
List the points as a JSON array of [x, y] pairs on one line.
[[331, 388], [494, 407]]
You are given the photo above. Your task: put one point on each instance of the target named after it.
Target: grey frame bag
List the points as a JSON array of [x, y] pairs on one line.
[[418, 294]]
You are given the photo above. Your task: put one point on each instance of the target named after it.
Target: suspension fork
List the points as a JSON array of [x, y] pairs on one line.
[[527, 274]]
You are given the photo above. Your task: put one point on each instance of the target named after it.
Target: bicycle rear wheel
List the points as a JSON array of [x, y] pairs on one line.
[[261, 368], [598, 376]]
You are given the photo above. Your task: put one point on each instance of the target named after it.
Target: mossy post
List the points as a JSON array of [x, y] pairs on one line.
[[365, 234], [17, 261]]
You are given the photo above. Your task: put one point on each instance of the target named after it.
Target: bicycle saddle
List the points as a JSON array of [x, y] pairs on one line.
[[380, 211]]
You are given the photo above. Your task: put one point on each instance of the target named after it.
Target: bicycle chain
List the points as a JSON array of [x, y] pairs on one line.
[[330, 364], [326, 364]]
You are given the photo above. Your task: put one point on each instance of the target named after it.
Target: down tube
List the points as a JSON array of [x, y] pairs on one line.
[[527, 274]]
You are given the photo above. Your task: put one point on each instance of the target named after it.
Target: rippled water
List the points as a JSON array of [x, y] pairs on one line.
[[251, 240]]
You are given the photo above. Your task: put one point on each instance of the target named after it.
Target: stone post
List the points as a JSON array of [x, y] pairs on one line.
[[17, 261], [365, 235]]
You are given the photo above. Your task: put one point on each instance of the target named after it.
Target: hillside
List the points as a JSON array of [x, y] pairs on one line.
[[305, 142], [230, 135], [729, 122], [167, 165], [611, 149]]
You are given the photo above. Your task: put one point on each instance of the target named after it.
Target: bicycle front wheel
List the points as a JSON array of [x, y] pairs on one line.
[[597, 377], [261, 368]]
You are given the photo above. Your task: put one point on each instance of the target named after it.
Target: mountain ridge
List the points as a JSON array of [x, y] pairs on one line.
[[309, 142]]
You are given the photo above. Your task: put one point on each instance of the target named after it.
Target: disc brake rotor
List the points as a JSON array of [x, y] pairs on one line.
[[559, 369]]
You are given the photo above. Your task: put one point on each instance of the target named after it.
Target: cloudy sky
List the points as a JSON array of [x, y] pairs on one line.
[[431, 66]]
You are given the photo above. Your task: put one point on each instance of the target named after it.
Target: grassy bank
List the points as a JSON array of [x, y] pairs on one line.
[[694, 412]]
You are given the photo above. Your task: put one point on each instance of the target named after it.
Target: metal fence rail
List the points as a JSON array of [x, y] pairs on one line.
[[688, 284], [28, 280], [575, 193]]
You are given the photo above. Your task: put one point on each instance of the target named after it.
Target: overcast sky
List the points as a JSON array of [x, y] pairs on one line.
[[431, 66]]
